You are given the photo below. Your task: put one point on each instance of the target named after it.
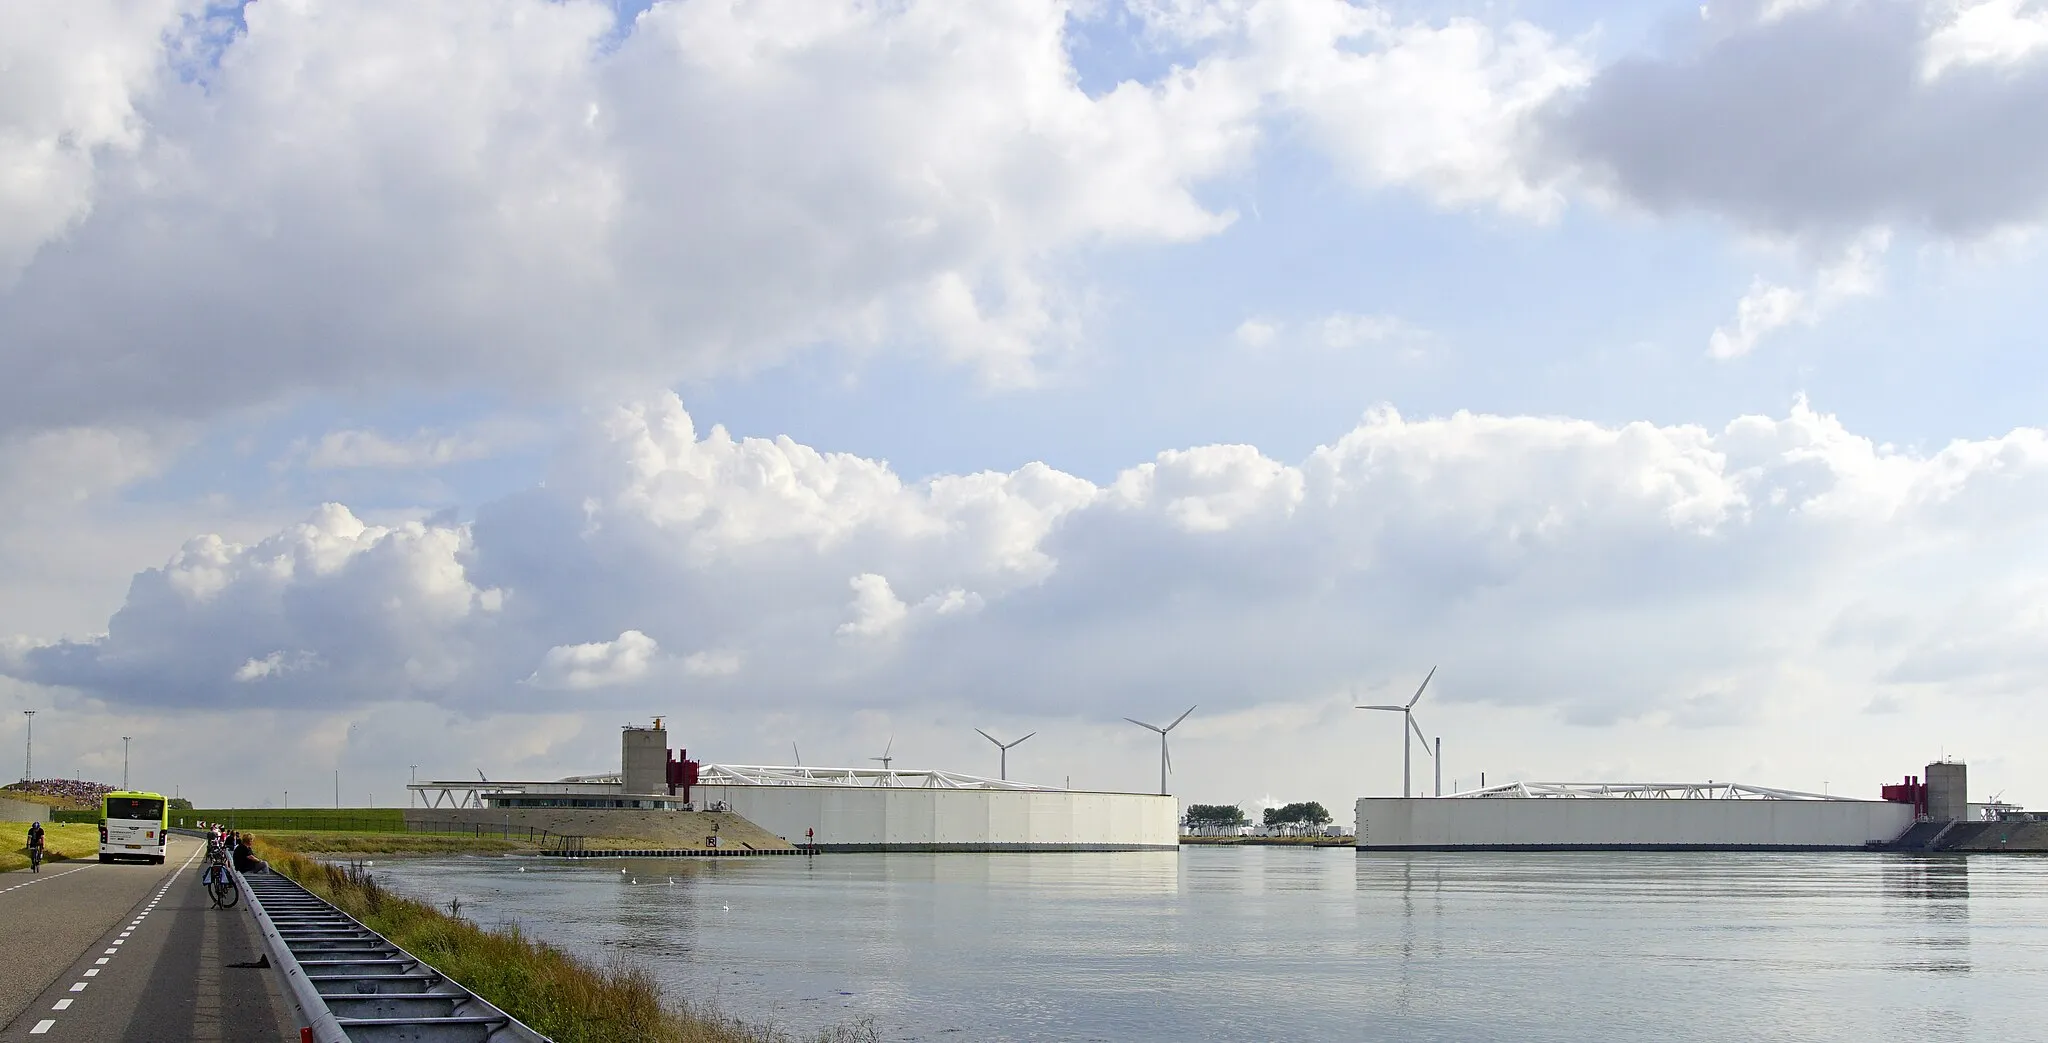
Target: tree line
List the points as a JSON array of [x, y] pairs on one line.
[[1227, 816]]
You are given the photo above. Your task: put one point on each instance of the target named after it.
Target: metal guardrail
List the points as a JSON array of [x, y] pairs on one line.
[[352, 985]]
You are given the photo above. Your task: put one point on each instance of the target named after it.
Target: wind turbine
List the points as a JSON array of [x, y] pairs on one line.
[[885, 758], [1005, 747], [1408, 717], [1165, 758]]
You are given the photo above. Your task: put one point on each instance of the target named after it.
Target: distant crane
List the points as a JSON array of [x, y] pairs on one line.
[[1165, 758], [1005, 747], [1407, 713]]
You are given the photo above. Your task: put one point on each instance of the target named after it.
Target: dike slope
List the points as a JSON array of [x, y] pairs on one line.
[[607, 827]]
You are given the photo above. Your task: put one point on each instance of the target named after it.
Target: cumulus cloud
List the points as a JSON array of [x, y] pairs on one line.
[[1440, 109], [71, 78], [596, 664], [1602, 572], [875, 609], [704, 188], [1769, 306], [1820, 120]]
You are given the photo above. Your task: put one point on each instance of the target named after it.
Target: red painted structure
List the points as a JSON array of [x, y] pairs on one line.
[[1912, 791], [682, 771]]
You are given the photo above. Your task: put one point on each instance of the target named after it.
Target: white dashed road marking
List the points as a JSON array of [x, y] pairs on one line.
[[38, 878], [46, 1024]]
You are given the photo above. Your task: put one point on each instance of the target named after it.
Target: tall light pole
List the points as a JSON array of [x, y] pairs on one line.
[[124, 762], [28, 766]]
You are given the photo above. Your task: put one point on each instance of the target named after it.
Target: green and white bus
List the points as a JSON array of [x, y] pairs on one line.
[[133, 825]]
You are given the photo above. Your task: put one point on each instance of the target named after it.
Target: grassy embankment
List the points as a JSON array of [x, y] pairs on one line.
[[365, 831], [60, 841], [360, 820], [335, 842], [562, 997]]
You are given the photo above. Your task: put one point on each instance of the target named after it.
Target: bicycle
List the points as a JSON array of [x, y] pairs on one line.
[[35, 859], [220, 885]]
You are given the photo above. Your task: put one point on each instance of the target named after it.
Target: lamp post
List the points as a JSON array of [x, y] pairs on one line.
[[28, 765], [124, 762]]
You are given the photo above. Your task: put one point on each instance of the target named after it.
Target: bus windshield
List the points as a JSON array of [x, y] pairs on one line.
[[135, 808]]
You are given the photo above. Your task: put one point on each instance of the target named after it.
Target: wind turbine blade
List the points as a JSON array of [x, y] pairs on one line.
[[1166, 752], [1425, 684], [1396, 709], [798, 754], [891, 748], [1020, 742], [1142, 724], [1177, 720], [987, 736], [1419, 735]]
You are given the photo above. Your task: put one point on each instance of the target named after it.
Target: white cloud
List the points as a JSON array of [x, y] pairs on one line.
[[705, 188], [598, 664], [1768, 307], [276, 664], [1440, 110], [1336, 331], [1746, 559], [1986, 32], [712, 664], [69, 466], [1256, 333], [71, 78], [359, 449], [1343, 330], [875, 608]]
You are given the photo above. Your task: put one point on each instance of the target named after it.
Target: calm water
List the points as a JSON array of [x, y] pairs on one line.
[[1288, 944]]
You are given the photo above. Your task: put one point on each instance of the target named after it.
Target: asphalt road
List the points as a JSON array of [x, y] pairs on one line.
[[133, 953]]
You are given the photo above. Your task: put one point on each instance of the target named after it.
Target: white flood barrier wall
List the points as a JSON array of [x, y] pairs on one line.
[[882, 818], [1621, 823]]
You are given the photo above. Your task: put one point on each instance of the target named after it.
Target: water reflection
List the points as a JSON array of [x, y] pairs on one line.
[[1928, 897], [1251, 943]]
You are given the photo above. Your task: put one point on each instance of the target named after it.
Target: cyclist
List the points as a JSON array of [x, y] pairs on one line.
[[219, 884], [35, 847]]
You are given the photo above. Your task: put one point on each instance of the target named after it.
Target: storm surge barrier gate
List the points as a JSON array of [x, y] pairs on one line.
[[353, 985]]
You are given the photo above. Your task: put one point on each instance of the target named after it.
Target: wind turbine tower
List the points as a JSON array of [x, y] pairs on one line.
[[1165, 758], [1005, 747], [1407, 713]]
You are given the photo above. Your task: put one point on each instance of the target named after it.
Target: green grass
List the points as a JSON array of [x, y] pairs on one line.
[[338, 842], [35, 798], [359, 820], [562, 997], [60, 841]]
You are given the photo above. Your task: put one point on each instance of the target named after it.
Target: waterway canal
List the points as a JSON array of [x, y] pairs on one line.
[[1305, 944]]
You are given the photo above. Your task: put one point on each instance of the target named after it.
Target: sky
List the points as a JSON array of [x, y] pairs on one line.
[[422, 387]]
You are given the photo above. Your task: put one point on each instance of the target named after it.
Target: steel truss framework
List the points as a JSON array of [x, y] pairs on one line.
[[892, 778], [1643, 791], [476, 794]]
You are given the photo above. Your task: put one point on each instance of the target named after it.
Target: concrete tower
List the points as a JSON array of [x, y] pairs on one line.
[[1948, 795], [643, 759]]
